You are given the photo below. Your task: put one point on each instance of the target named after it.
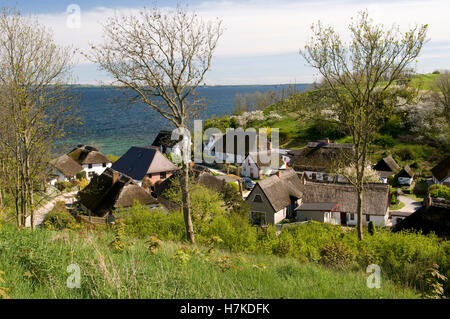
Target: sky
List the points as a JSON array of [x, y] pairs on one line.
[[262, 38]]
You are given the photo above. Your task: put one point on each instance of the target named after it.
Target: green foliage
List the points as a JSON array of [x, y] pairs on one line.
[[393, 126], [322, 128], [59, 218], [336, 255], [3, 290], [385, 141], [80, 175], [441, 191], [112, 158], [64, 186], [432, 286], [28, 260], [371, 228]]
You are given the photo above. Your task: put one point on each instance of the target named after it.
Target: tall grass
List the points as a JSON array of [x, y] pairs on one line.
[[35, 266]]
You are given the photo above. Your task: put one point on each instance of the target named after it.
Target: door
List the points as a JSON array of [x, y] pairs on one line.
[[343, 218]]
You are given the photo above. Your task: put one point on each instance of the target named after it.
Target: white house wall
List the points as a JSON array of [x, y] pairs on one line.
[[96, 168], [378, 220]]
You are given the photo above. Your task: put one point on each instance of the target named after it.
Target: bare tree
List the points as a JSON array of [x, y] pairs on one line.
[[33, 107], [162, 57], [361, 77]]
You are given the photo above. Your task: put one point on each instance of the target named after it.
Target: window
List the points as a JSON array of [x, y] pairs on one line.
[[257, 199], [162, 175], [149, 175], [90, 166], [313, 176], [368, 218], [104, 164], [352, 216]]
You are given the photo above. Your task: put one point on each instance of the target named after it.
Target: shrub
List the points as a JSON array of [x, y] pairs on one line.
[[80, 175], [406, 153], [59, 218], [63, 186], [371, 228], [112, 158], [441, 191], [385, 141], [336, 255], [82, 183]]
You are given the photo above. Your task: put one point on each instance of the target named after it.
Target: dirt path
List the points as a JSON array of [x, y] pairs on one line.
[[41, 212]]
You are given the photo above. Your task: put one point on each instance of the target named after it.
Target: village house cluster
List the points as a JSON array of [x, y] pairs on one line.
[[301, 185]]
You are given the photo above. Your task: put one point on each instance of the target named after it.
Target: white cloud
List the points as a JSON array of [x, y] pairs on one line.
[[257, 29]]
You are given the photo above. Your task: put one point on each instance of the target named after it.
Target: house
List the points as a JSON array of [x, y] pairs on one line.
[[434, 216], [275, 198], [257, 164], [321, 212], [405, 176], [166, 144], [92, 161], [231, 148], [441, 172], [386, 167], [111, 191], [64, 169], [319, 159], [375, 203], [147, 163]]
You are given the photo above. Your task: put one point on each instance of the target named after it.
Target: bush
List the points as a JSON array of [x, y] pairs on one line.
[[82, 183], [441, 191], [406, 153], [385, 141], [336, 255], [81, 175], [371, 228], [63, 186], [59, 218]]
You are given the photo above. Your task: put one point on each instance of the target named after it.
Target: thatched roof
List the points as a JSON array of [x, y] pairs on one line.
[[406, 172], [387, 164], [320, 157], [280, 189], [85, 155], [375, 197], [66, 165], [434, 218], [442, 170], [112, 190], [264, 159], [140, 161], [164, 139]]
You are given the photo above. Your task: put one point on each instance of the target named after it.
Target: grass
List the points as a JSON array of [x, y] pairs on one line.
[[171, 271], [398, 206]]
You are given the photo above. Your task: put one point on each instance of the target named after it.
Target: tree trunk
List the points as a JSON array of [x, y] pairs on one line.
[[360, 215], [187, 204]]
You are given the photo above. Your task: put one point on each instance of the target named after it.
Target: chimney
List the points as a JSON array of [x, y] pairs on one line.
[[115, 177]]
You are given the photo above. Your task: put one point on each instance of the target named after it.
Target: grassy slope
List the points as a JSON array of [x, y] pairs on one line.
[[35, 267], [299, 136]]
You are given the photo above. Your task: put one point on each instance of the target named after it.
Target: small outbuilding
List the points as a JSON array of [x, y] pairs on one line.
[[441, 172], [321, 212], [405, 176], [386, 167]]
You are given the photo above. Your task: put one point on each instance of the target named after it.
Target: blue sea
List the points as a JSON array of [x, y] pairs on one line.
[[113, 126]]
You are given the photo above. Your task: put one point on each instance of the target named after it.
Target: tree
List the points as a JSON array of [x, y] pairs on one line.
[[442, 96], [361, 78], [162, 57], [34, 106]]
